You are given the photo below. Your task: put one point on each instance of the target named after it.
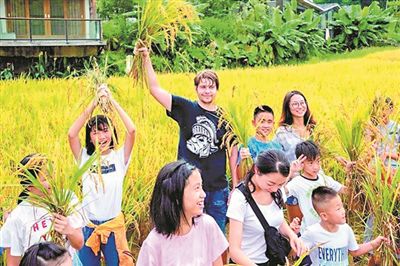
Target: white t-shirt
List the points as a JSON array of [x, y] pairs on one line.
[[302, 188], [204, 243], [253, 241], [27, 225], [102, 201], [335, 251]]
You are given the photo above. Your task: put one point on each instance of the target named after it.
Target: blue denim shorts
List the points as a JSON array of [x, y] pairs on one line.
[[109, 250], [216, 205]]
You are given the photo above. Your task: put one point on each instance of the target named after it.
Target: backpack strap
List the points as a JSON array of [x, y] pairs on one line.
[[246, 192]]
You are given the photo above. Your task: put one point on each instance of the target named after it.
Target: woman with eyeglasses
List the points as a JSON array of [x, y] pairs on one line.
[[296, 125]]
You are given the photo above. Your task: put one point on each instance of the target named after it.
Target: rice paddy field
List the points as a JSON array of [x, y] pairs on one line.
[[35, 116]]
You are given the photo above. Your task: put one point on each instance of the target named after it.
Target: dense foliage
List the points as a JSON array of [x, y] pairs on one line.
[[252, 33], [239, 33]]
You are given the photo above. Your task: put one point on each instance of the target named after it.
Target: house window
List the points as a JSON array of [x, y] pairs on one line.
[[76, 10], [36, 10], [16, 8], [57, 11], [49, 18]]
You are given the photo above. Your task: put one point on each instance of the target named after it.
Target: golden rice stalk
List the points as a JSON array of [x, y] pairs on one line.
[[381, 186], [160, 18], [60, 198], [350, 134], [97, 77], [238, 132]]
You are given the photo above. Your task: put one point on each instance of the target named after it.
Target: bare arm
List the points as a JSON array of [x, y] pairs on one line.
[[235, 240], [297, 244], [243, 154], [233, 166], [130, 130], [76, 238], [161, 95], [73, 132], [367, 247], [12, 260]]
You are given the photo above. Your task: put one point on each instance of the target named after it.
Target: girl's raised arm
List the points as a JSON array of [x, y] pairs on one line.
[[130, 129], [73, 132]]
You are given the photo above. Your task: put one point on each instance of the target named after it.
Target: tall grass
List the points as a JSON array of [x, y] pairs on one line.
[[36, 114], [350, 134], [382, 192]]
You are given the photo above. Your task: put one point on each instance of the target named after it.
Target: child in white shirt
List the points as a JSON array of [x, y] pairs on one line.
[[333, 237], [311, 177]]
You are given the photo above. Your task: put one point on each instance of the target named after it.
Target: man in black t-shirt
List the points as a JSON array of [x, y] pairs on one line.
[[200, 139]]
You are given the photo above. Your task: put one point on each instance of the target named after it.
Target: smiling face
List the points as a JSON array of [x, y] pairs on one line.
[[206, 91], [264, 123], [270, 182], [297, 106], [193, 196], [101, 136]]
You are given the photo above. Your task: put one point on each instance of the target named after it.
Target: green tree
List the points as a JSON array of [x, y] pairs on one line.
[[111, 8]]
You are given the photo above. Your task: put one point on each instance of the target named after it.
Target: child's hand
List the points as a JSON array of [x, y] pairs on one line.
[[297, 165], [62, 225], [349, 166], [103, 91], [378, 241], [141, 50], [244, 153], [295, 225]]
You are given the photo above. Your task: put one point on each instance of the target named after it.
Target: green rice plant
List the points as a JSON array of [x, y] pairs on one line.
[[60, 198], [382, 191], [350, 134], [236, 121], [160, 19]]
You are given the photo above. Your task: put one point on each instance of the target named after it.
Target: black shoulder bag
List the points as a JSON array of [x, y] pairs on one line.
[[278, 247]]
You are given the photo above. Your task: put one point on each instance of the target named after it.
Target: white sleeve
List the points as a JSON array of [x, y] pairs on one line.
[[291, 187], [307, 238], [352, 239], [77, 219], [283, 193], [84, 157], [237, 206], [10, 236], [330, 182]]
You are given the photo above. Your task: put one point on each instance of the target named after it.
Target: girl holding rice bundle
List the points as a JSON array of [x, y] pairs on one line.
[[102, 185], [29, 224]]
